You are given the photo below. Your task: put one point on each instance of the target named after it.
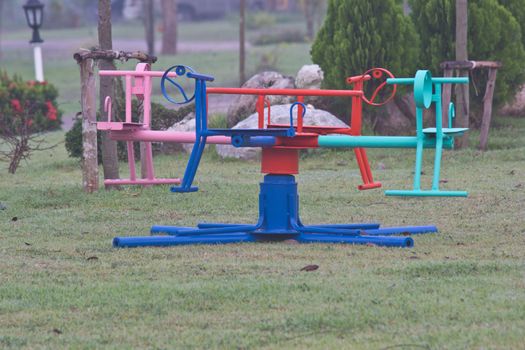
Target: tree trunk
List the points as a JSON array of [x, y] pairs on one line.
[[169, 24], [149, 26], [89, 127], [242, 51], [109, 147], [309, 8], [1, 17], [462, 90], [487, 109], [446, 97]]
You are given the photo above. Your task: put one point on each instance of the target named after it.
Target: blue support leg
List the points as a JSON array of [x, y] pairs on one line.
[[278, 221]]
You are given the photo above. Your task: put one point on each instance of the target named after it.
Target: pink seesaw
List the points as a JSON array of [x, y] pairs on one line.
[[138, 84]]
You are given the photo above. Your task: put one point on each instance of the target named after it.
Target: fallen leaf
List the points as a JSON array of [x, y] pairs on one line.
[[443, 181], [460, 243], [518, 186], [26, 243], [92, 258], [512, 172], [414, 257], [57, 331], [406, 233], [291, 241], [310, 268], [14, 218]]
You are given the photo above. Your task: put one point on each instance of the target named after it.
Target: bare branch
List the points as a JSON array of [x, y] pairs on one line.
[[98, 54]]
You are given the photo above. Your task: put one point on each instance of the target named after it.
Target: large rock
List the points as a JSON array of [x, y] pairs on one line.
[[517, 106], [244, 105], [186, 124], [280, 114], [397, 117], [310, 76]]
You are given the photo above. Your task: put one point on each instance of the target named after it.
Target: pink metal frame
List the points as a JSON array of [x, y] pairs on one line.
[[138, 83]]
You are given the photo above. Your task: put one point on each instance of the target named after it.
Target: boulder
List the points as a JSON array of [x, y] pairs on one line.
[[517, 106], [186, 124], [310, 76], [280, 114], [397, 117], [244, 105]]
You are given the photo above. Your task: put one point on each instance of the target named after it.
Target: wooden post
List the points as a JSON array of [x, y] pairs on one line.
[[487, 109], [149, 25], [462, 91], [447, 95], [89, 127], [143, 150], [466, 66]]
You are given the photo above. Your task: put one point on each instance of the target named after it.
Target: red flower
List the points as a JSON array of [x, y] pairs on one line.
[[29, 122], [31, 83], [51, 111], [17, 107]]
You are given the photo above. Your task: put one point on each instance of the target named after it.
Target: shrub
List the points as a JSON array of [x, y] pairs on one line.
[[34, 99], [357, 35], [493, 34], [285, 36], [73, 141], [26, 110], [260, 20]]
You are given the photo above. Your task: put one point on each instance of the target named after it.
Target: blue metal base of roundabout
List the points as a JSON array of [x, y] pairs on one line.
[[278, 221]]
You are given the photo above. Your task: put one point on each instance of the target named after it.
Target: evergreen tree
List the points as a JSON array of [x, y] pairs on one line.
[[357, 35], [517, 8]]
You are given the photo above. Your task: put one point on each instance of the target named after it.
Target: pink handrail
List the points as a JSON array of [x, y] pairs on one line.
[[118, 73], [282, 92]]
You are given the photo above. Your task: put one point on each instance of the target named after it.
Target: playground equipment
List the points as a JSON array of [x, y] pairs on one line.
[[278, 199], [138, 84]]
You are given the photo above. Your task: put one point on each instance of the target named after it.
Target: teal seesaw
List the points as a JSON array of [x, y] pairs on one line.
[[427, 90]]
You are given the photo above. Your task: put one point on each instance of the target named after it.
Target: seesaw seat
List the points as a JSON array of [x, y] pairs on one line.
[[446, 131], [119, 126], [250, 132]]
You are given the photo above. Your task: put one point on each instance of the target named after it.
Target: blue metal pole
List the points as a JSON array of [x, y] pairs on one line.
[[375, 240], [162, 241]]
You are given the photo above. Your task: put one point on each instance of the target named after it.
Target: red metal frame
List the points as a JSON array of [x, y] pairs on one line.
[[283, 157]]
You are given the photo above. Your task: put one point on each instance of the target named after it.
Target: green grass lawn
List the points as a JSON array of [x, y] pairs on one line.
[[62, 71], [226, 29], [62, 285]]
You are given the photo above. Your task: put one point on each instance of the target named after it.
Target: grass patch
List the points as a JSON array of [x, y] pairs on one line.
[[64, 286]]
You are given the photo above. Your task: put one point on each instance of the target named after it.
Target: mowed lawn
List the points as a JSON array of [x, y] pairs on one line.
[[62, 285]]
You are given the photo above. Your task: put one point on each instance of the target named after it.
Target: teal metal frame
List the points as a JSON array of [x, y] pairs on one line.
[[427, 90]]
